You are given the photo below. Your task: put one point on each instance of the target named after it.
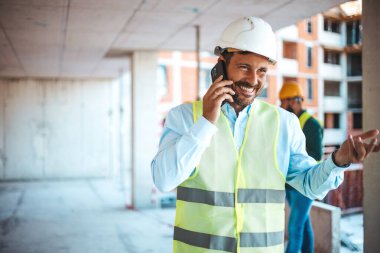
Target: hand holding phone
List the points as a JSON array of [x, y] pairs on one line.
[[219, 92], [218, 70]]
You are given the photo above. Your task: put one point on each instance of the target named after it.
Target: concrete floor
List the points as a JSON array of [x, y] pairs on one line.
[[89, 216], [351, 227], [78, 217]]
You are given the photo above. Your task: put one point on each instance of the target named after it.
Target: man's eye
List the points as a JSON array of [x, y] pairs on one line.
[[263, 70], [243, 67]]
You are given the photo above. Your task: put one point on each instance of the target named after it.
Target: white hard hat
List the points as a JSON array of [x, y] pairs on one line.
[[249, 34]]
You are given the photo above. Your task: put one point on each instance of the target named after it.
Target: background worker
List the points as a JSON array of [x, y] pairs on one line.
[[229, 162], [300, 231]]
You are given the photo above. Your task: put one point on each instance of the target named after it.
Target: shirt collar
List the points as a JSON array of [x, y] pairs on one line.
[[227, 109]]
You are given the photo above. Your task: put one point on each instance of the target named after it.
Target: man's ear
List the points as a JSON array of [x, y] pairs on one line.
[[221, 58]]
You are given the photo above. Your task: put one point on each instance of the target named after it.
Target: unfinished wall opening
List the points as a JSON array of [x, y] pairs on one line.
[[354, 64], [331, 57], [332, 120], [309, 25], [355, 100], [309, 89], [289, 50], [357, 120], [331, 88], [354, 32], [331, 25], [309, 62]]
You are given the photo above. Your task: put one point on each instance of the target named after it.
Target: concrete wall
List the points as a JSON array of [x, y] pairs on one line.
[[371, 119], [325, 221], [53, 128]]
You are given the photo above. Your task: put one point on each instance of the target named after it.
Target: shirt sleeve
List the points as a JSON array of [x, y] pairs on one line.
[[181, 147], [310, 178]]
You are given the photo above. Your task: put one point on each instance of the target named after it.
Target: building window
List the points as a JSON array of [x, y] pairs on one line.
[[331, 25], [289, 50], [332, 120], [162, 80], [355, 100], [309, 57], [354, 33], [354, 64], [332, 88], [309, 25], [310, 89], [357, 120], [331, 57]]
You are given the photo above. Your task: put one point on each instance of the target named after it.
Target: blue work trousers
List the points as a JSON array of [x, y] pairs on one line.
[[300, 232]]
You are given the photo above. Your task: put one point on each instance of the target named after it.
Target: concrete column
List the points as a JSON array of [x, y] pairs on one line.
[[321, 81], [371, 119], [144, 125], [3, 91], [177, 78], [344, 90]]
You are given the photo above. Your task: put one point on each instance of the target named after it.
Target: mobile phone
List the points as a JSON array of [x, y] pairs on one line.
[[217, 70]]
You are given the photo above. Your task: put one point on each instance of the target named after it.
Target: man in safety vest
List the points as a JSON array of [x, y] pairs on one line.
[[300, 231], [229, 161]]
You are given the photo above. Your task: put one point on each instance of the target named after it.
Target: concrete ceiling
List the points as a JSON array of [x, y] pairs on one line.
[[88, 38]]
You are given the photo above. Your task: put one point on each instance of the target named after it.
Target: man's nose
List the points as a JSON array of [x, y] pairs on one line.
[[252, 78]]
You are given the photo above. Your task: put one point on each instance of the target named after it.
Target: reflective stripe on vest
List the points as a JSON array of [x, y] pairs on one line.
[[203, 240], [228, 244], [226, 199], [305, 116], [234, 202]]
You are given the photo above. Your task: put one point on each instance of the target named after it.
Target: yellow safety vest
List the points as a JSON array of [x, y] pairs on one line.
[[305, 116], [235, 200]]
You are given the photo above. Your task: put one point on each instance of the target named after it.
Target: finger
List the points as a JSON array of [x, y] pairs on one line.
[[218, 84], [220, 78], [360, 149], [368, 135], [351, 146], [223, 97], [377, 147], [370, 147], [221, 91]]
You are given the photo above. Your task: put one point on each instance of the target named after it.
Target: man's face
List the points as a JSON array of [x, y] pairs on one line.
[[286, 104], [248, 72]]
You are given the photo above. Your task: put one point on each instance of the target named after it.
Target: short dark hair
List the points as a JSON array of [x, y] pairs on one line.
[[228, 55]]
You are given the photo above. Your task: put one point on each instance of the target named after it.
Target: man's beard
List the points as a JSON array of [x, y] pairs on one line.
[[289, 109], [258, 89]]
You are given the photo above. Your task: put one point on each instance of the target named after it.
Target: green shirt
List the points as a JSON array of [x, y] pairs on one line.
[[313, 131]]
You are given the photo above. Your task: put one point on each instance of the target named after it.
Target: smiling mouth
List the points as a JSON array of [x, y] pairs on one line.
[[245, 90]]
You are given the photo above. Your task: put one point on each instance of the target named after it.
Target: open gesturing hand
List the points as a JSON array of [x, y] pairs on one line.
[[354, 149]]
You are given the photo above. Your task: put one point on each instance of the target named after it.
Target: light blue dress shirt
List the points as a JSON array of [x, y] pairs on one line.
[[183, 143]]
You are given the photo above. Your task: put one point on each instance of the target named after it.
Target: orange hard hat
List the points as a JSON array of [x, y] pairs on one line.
[[290, 90]]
